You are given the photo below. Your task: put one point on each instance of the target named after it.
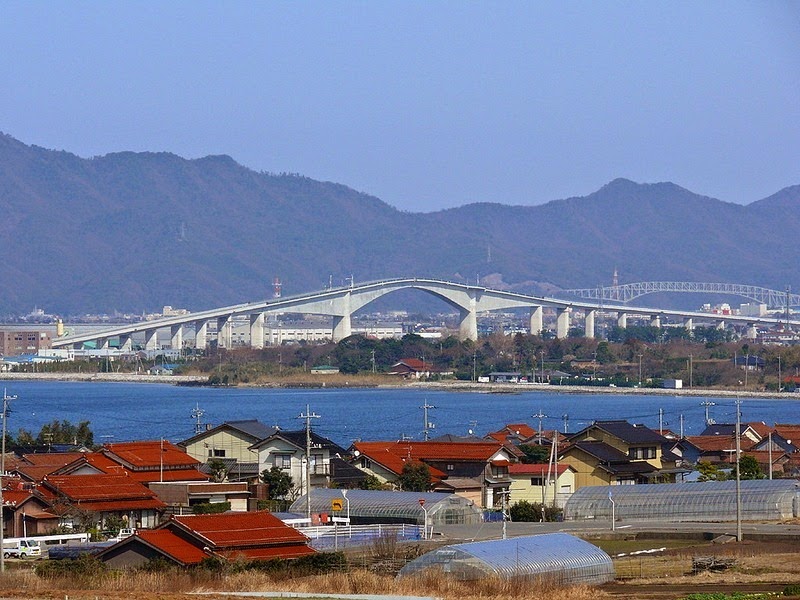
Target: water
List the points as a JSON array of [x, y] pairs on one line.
[[135, 411]]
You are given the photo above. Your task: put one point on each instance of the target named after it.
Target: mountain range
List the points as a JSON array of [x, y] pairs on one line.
[[135, 231]]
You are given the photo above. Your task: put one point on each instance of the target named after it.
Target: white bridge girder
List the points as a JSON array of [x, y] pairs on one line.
[[341, 303]]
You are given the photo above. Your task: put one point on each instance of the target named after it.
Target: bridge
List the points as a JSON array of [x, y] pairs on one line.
[[631, 291], [340, 304]]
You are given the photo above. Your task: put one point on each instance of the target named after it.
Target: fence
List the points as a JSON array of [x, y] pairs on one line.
[[338, 537]]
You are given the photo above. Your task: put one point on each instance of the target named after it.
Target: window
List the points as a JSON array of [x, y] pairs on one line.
[[366, 463], [283, 461], [450, 467], [536, 481], [642, 453], [219, 453]]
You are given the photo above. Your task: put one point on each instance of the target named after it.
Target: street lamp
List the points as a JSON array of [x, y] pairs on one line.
[[425, 524], [640, 369]]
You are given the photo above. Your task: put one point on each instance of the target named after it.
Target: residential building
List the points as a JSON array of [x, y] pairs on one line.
[[189, 539], [543, 483], [182, 496], [415, 368], [14, 341], [618, 452], [231, 442], [287, 451], [477, 471], [157, 460]]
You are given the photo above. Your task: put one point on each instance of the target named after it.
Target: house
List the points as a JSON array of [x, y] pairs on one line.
[[618, 452], [477, 471], [542, 483], [505, 377], [25, 511], [287, 451], [182, 496], [189, 539], [231, 442], [414, 368], [81, 500], [157, 460]]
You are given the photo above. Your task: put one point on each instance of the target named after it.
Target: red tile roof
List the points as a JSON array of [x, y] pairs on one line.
[[104, 492], [239, 529], [268, 553], [717, 443], [170, 544], [536, 469], [52, 459], [136, 455]]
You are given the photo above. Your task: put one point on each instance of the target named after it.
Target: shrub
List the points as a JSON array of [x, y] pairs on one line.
[[210, 508]]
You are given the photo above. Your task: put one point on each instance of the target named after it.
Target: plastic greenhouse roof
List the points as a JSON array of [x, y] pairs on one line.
[[376, 504], [706, 501], [565, 557]]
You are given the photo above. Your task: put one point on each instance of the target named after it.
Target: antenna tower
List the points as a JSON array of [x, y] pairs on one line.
[[197, 415]]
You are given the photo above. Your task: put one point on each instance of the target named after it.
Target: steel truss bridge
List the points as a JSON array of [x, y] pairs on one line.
[[341, 303], [631, 291]]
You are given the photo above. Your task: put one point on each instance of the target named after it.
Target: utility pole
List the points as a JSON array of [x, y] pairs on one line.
[[540, 415], [738, 472], [197, 414], [428, 424], [681, 426], [640, 369], [308, 416], [661, 421], [6, 400], [690, 371], [779, 374], [707, 404], [474, 366], [504, 507], [566, 421], [541, 353]]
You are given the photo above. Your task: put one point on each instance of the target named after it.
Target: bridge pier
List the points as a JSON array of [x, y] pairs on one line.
[[224, 332], [588, 325], [125, 343], [176, 337], [688, 322], [562, 322], [721, 324], [201, 335], [342, 327], [257, 330], [102, 343], [537, 321], [752, 331], [655, 321], [622, 320], [468, 328], [151, 339]]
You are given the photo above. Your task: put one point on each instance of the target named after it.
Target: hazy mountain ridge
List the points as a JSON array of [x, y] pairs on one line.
[[134, 231]]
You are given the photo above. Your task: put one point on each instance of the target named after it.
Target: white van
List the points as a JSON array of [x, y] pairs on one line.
[[21, 548]]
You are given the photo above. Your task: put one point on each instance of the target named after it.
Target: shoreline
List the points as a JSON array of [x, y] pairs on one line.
[[460, 386]]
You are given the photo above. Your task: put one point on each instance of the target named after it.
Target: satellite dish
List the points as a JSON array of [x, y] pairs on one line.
[[357, 453], [470, 431]]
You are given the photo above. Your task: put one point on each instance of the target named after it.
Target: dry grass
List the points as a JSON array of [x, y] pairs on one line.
[[175, 585]]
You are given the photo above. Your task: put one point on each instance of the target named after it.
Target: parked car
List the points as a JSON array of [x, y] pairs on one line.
[[21, 548]]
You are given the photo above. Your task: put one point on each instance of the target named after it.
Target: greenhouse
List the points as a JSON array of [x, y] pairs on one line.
[[761, 499], [557, 557], [370, 506]]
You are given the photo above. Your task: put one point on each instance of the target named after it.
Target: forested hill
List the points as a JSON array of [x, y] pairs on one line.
[[134, 231]]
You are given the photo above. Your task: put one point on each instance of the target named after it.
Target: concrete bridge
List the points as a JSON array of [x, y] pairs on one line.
[[341, 303]]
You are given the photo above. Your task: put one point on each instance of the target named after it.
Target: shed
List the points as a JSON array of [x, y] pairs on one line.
[[713, 501], [557, 557], [376, 506]]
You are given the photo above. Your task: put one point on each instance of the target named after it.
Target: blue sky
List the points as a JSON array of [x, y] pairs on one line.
[[426, 105]]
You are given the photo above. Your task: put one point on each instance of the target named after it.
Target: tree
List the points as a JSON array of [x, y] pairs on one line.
[[371, 482], [533, 511], [709, 472], [218, 470], [416, 477], [279, 482], [64, 432], [535, 454], [749, 468]]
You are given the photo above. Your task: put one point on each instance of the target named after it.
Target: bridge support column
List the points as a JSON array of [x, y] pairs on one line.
[[102, 343], [151, 339], [468, 328], [622, 320], [537, 322], [200, 335], [721, 324], [224, 332], [342, 328], [588, 325], [176, 337], [125, 343], [257, 330], [562, 323], [688, 322], [752, 331], [655, 321]]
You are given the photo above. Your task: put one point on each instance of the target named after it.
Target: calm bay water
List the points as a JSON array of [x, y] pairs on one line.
[[124, 411]]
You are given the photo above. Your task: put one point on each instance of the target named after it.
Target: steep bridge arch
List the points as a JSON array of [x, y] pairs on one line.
[[631, 291], [341, 303]]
